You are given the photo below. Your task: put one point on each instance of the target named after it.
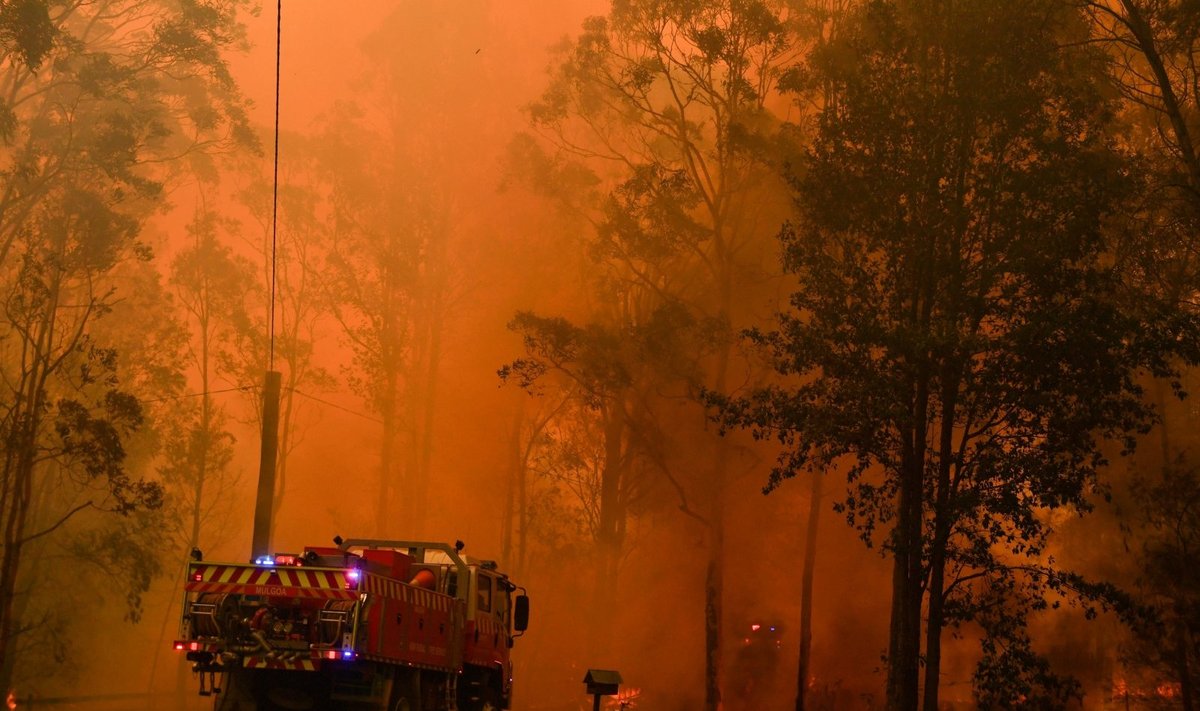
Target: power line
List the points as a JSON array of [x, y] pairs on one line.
[[245, 388], [184, 396], [275, 182], [336, 406]]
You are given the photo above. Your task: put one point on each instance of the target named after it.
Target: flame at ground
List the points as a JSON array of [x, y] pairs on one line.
[[10, 701], [1122, 690], [627, 699]]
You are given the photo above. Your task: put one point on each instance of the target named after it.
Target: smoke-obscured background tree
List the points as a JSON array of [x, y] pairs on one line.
[[293, 257], [385, 227], [94, 113], [663, 108], [603, 446], [1163, 645]]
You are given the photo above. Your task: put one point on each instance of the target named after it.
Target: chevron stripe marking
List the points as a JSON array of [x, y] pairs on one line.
[[294, 664]]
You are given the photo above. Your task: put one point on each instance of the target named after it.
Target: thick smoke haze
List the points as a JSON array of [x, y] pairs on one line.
[[459, 79], [458, 164]]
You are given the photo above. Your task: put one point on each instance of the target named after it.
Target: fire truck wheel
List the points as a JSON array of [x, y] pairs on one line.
[[236, 694], [405, 693], [488, 700]]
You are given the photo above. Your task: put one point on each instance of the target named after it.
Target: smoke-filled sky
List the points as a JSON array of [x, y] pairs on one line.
[[411, 173], [474, 67]]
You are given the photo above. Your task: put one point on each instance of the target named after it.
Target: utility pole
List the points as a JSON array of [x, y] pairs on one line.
[[261, 544]]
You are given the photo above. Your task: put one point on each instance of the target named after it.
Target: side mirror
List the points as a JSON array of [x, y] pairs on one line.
[[521, 613]]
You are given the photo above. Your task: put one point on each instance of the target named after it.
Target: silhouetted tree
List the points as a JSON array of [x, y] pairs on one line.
[[819, 23], [960, 343], [97, 568], [1153, 46]]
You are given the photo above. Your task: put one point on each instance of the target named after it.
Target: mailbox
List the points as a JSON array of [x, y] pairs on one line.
[[602, 682]]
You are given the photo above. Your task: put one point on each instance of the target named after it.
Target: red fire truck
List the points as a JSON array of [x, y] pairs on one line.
[[367, 624]]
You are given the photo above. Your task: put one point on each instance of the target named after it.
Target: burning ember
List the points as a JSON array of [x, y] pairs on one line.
[[10, 701], [627, 699], [1122, 690]]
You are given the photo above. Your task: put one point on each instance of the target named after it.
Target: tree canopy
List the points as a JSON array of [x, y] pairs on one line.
[[958, 339]]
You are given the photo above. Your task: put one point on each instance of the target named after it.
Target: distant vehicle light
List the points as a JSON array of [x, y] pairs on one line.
[[352, 577], [755, 628], [264, 560], [179, 645]]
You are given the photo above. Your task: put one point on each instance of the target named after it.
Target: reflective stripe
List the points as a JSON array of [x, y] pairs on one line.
[[266, 663], [292, 582], [380, 585]]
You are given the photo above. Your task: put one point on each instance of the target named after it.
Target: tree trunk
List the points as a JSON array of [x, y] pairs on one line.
[[387, 460], [714, 578], [9, 564], [904, 647], [714, 581], [16, 512], [507, 556], [1143, 34], [428, 412], [941, 538], [1182, 664], [608, 537], [285, 443], [20, 449], [522, 513], [806, 589]]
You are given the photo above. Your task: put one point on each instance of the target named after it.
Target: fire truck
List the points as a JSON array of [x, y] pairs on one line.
[[362, 625]]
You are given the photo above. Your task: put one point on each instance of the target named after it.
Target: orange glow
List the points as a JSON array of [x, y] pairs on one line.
[[626, 699], [11, 700]]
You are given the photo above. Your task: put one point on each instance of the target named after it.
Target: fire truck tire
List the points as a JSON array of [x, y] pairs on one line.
[[236, 693], [406, 692], [485, 698], [490, 700]]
